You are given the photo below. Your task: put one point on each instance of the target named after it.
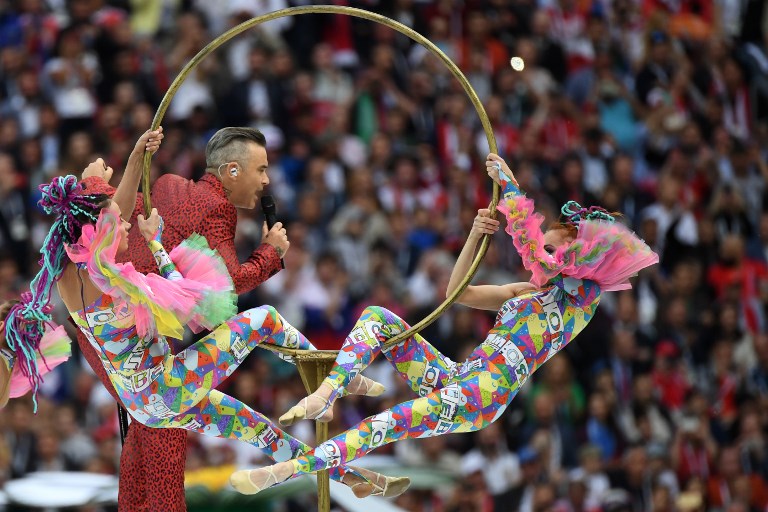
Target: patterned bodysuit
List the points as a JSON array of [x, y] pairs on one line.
[[161, 390], [453, 397], [465, 397], [529, 329], [152, 461]]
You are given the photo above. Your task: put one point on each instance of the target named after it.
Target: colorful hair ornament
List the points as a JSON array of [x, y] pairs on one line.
[[64, 198], [574, 212]]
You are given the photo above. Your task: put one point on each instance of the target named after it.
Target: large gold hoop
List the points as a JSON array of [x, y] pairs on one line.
[[378, 18]]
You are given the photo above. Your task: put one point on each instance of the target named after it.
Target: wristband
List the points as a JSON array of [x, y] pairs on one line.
[[8, 357], [508, 185], [159, 233], [163, 260]]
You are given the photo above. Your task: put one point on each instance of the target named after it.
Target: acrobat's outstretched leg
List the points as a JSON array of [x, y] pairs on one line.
[[183, 396], [420, 364], [468, 402]]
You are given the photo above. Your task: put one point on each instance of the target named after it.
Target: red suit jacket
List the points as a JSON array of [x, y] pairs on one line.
[[153, 460]]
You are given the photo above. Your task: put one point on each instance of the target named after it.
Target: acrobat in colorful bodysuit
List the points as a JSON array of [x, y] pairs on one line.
[[529, 329], [161, 390], [454, 397]]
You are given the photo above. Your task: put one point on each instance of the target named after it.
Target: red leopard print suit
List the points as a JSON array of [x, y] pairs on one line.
[[153, 460]]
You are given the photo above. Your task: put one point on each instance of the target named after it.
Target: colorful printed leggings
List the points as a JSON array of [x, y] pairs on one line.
[[453, 398], [189, 400]]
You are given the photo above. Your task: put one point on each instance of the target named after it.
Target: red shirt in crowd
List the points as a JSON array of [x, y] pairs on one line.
[[693, 460], [748, 275], [719, 492]]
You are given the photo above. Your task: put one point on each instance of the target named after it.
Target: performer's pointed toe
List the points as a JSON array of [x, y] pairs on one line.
[[321, 412], [376, 484], [252, 481], [241, 481], [364, 386]]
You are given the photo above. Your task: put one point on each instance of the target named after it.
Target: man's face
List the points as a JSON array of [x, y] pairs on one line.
[[246, 186]]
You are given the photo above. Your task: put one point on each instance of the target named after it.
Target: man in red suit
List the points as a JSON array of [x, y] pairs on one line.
[[153, 460]]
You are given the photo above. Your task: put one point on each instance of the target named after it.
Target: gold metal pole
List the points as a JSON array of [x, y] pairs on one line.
[[314, 366], [359, 13]]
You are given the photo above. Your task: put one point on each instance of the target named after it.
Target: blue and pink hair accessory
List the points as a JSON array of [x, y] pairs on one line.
[[575, 213]]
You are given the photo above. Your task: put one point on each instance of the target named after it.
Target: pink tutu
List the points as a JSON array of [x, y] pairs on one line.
[[205, 271], [605, 252], [205, 296], [55, 348]]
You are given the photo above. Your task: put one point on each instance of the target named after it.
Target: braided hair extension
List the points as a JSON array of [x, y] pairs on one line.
[[5, 307], [575, 213], [27, 320]]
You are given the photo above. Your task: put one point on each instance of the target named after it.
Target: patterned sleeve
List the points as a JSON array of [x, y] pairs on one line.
[[605, 252], [580, 293], [219, 229], [165, 263]]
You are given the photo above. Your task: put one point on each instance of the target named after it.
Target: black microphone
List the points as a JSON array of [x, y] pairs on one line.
[[269, 208]]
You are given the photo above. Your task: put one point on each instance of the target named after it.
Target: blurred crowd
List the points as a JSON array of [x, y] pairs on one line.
[[654, 108]]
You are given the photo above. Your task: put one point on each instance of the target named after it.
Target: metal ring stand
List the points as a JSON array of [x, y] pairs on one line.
[[315, 365]]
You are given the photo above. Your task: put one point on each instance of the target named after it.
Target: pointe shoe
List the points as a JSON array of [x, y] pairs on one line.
[[299, 412], [393, 485], [252, 481], [365, 387]]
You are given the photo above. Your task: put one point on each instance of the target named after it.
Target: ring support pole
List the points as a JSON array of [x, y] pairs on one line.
[[314, 366]]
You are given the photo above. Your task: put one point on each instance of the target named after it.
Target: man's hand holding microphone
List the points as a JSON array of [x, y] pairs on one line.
[[273, 232]]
